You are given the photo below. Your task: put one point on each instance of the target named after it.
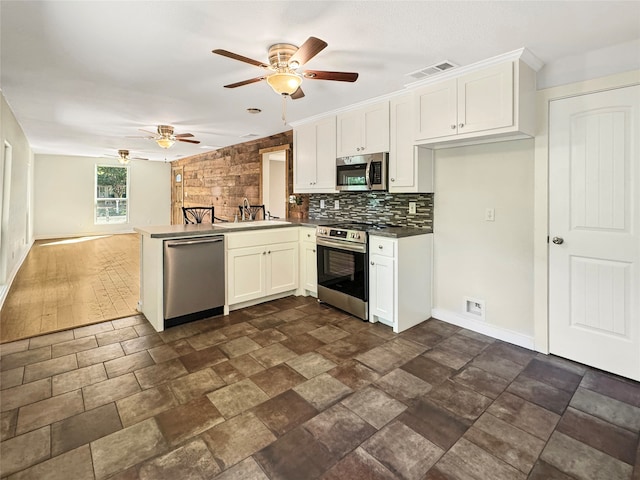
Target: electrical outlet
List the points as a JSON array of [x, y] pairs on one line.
[[490, 215], [412, 207], [292, 199], [322, 204], [336, 205]]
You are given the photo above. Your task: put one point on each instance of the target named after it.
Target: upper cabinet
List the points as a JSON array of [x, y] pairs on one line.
[[410, 166], [314, 148], [493, 101], [363, 130]]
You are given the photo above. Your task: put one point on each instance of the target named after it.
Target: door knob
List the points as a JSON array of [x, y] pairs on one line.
[[558, 240]]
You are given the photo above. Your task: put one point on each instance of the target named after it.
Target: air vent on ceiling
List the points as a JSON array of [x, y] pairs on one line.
[[432, 69], [249, 135]]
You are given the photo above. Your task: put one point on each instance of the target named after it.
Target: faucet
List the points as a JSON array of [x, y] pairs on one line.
[[246, 209]]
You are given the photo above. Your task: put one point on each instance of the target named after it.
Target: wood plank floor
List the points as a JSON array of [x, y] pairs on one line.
[[68, 283]]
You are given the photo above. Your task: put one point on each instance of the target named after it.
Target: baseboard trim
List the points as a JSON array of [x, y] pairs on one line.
[[79, 235], [506, 335], [4, 289]]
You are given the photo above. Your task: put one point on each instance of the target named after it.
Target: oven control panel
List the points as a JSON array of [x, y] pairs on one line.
[[341, 234]]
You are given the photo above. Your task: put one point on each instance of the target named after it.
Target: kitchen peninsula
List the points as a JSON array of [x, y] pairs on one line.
[[263, 260]]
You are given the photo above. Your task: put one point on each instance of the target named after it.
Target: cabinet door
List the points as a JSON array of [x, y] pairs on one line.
[[381, 288], [401, 159], [309, 267], [282, 269], [436, 110], [485, 99], [326, 156], [375, 128], [304, 165], [349, 134], [246, 274]]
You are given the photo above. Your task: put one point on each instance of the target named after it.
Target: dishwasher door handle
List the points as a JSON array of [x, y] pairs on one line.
[[181, 243]]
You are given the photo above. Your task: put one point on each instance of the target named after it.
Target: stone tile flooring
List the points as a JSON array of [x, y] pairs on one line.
[[296, 390]]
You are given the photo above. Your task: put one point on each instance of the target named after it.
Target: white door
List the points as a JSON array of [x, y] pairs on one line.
[[594, 223]]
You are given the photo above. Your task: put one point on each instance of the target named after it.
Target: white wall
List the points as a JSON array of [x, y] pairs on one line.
[[490, 261], [15, 240], [623, 57], [64, 193]]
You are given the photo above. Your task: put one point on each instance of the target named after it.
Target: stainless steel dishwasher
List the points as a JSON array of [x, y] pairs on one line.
[[193, 279]]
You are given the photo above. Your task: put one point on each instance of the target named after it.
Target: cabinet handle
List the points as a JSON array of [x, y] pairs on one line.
[[380, 247], [269, 252], [314, 250], [372, 262], [264, 253], [453, 126], [393, 179], [461, 125]]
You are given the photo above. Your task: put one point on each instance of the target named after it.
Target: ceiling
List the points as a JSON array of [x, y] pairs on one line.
[[81, 77]]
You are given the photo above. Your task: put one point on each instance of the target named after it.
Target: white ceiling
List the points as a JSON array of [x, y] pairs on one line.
[[81, 77]]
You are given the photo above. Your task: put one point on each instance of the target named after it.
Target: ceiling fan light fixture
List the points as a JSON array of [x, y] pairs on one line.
[[123, 157], [165, 142], [284, 83]]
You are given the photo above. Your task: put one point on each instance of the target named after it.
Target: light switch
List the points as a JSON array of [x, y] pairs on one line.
[[321, 203], [412, 207], [490, 215], [336, 205]]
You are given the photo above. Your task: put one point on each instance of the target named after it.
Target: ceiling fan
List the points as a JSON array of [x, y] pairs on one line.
[[124, 158], [284, 61], [165, 137]]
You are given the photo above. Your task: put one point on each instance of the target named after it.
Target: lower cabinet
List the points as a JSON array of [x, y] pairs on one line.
[[260, 264], [400, 272], [308, 265]]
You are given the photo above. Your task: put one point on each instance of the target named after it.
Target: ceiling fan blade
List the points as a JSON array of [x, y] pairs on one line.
[[308, 50], [297, 94], [244, 82], [138, 136], [336, 76], [188, 141], [235, 56], [138, 158], [183, 135], [147, 131]]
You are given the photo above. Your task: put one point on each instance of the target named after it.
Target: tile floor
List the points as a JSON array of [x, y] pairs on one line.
[[295, 390]]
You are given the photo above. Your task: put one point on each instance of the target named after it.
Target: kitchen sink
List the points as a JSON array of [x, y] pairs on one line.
[[254, 223]]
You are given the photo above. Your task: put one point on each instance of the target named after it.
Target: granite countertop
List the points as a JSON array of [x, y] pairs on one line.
[[201, 229]]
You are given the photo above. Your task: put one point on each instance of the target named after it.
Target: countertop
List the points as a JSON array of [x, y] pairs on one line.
[[202, 229]]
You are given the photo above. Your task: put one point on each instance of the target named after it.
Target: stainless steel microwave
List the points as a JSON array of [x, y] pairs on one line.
[[362, 173]]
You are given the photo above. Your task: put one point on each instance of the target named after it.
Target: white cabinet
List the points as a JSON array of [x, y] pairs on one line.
[[410, 166], [493, 101], [363, 130], [400, 271], [308, 263], [261, 264], [314, 152]]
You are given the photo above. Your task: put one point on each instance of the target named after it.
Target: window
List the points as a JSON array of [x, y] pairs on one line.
[[112, 192]]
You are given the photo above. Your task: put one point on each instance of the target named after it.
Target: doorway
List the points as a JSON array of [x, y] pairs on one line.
[[5, 198], [177, 174], [594, 223], [274, 181]]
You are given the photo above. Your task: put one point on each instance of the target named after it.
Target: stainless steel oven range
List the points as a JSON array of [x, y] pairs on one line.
[[343, 273]]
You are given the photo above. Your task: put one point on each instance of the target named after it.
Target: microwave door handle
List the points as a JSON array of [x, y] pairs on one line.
[[367, 174]]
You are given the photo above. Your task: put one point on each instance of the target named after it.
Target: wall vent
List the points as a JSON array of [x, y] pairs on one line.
[[432, 70], [249, 135]]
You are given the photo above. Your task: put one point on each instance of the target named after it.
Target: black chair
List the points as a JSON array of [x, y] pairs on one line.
[[200, 214], [252, 212]]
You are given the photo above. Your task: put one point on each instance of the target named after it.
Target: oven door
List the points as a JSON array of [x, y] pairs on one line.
[[342, 267]]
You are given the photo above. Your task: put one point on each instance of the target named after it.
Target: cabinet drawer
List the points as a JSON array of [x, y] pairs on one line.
[[307, 234], [382, 246], [261, 237]]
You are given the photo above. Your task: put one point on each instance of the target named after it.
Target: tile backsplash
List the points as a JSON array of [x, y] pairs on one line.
[[374, 207]]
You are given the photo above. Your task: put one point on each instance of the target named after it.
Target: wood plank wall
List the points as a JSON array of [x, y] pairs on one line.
[[223, 177]]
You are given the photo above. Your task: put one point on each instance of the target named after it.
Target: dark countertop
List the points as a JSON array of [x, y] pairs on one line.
[[183, 231]]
